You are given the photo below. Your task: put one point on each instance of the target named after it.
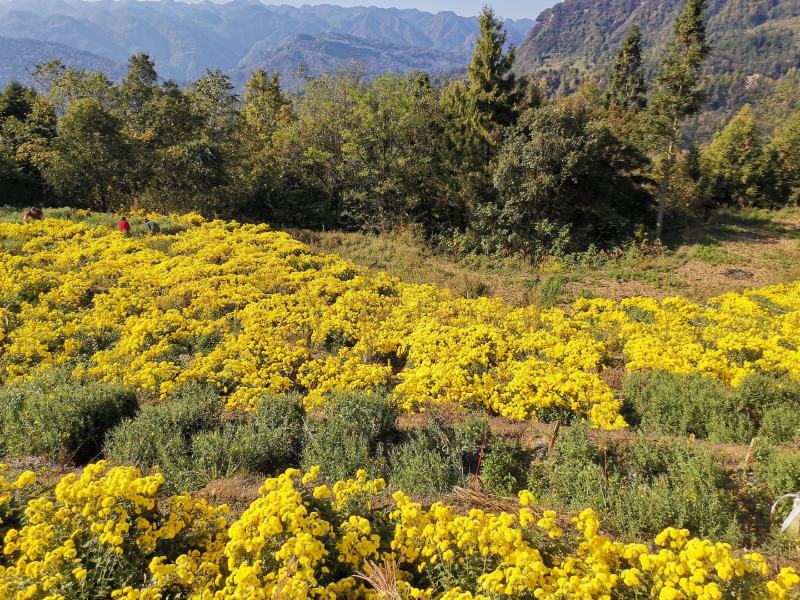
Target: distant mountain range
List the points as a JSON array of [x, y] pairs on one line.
[[754, 42], [328, 52], [239, 36]]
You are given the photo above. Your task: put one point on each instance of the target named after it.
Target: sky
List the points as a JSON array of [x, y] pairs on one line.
[[514, 9]]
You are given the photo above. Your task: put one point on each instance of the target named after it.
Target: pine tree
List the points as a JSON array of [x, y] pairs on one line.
[[677, 94], [137, 87], [16, 101], [215, 102], [785, 146], [626, 86], [478, 111], [735, 166], [492, 87]]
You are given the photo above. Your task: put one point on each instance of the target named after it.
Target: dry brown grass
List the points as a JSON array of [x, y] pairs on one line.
[[237, 492], [383, 579]]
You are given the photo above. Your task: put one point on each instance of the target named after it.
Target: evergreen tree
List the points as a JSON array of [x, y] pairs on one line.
[[626, 86], [266, 111], [136, 90], [266, 107], [677, 94], [492, 88], [735, 166], [16, 101], [215, 102], [785, 146], [478, 111]]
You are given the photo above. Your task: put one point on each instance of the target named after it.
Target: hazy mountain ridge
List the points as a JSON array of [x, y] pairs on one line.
[[185, 39], [18, 56], [329, 52]]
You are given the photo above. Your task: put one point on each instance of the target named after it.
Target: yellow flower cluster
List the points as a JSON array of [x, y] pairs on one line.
[[105, 534], [107, 521], [252, 311], [9, 488]]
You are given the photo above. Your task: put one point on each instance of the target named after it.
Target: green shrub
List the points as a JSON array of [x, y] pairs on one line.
[[161, 435], [354, 433], [779, 471], [658, 483], [639, 488], [574, 470], [682, 405], [56, 418], [553, 290], [773, 402], [220, 453], [470, 436], [780, 424], [764, 404], [505, 468], [277, 432], [428, 462], [267, 441]]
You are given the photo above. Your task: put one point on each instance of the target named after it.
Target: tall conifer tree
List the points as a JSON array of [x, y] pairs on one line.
[[677, 93], [626, 86], [478, 112]]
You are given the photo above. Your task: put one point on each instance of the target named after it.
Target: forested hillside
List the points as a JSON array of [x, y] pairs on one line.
[[755, 43]]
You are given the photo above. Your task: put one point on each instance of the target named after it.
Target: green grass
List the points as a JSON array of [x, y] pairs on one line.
[[753, 239], [714, 254]]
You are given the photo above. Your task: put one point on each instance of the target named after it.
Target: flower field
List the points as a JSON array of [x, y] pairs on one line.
[[106, 533], [142, 335], [252, 311]]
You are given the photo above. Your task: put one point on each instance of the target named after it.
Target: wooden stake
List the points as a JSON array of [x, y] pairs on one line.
[[553, 437]]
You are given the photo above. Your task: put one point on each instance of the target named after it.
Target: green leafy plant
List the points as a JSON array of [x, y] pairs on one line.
[[353, 433], [682, 405], [59, 419], [161, 435], [428, 462], [505, 468], [639, 488], [264, 442]]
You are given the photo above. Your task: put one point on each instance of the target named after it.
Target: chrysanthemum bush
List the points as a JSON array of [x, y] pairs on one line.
[[253, 312], [109, 532]]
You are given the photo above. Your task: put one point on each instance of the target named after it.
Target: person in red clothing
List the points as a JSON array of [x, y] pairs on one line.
[[34, 213], [124, 226]]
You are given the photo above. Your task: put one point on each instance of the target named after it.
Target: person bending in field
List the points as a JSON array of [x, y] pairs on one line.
[[124, 226], [33, 214], [152, 226]]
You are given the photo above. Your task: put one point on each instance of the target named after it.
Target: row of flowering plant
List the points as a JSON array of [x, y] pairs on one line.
[[109, 533], [254, 312]]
